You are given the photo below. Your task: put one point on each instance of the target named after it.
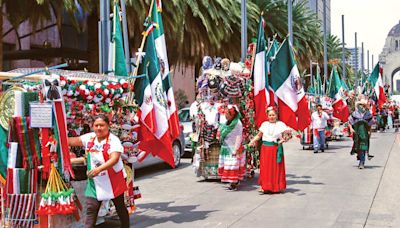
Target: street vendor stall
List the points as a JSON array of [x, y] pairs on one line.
[[37, 115]]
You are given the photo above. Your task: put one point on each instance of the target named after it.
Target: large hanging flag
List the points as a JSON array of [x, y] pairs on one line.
[[340, 108], [260, 75], [161, 48], [286, 82], [375, 79], [160, 144], [117, 57]]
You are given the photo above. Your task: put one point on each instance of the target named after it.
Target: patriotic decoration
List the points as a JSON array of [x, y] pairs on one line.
[[22, 210], [260, 75], [285, 80], [161, 48], [57, 198], [337, 91], [375, 79], [154, 105], [117, 57]]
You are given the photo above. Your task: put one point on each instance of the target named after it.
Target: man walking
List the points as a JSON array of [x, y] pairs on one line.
[[319, 120]]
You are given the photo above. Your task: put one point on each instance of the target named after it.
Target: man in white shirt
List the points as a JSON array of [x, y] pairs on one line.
[[319, 121]]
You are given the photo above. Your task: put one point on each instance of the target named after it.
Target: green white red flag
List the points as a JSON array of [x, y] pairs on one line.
[[286, 82], [337, 91], [260, 78], [375, 79], [161, 48]]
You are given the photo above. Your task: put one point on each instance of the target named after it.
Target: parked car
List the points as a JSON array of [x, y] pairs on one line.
[[177, 148], [187, 123]]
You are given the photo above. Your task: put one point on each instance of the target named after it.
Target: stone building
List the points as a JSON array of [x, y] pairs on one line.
[[390, 59]]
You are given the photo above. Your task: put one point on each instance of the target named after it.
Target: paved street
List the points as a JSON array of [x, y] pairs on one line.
[[324, 190]]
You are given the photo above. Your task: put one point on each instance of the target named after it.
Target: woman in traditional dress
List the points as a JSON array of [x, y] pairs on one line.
[[105, 170], [272, 162], [360, 123], [232, 160]]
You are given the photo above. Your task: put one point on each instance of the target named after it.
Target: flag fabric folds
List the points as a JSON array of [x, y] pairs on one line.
[[156, 140], [286, 82], [375, 79], [260, 77], [340, 107], [161, 48]]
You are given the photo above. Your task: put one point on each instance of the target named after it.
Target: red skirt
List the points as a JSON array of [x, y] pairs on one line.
[[272, 174]]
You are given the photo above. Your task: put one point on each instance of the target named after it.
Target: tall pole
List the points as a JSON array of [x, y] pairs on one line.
[[104, 35], [356, 59], [244, 29], [373, 64], [290, 26], [362, 57], [368, 61], [125, 34], [343, 52], [311, 74], [325, 45]]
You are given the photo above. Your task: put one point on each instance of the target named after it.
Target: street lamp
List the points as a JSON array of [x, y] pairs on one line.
[[243, 29]]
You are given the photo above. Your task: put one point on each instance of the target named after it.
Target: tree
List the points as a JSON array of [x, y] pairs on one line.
[[36, 12]]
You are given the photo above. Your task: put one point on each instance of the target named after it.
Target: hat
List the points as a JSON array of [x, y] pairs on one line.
[[361, 102], [235, 68]]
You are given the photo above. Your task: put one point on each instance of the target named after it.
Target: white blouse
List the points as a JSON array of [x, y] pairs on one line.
[[272, 132]]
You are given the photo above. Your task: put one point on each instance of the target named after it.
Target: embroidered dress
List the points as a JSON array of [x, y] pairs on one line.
[[231, 168], [107, 184], [272, 162]]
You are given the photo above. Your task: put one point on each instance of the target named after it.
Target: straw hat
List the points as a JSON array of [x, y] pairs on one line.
[[361, 102]]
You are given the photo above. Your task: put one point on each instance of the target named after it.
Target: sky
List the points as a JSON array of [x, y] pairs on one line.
[[371, 19]]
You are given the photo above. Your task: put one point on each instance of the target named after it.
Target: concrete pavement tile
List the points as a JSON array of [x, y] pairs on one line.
[[347, 225]]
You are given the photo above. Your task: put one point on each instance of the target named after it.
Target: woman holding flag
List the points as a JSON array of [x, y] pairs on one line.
[[272, 162], [105, 170]]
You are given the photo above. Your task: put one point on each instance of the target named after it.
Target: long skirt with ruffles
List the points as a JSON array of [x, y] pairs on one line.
[[231, 168], [272, 174]]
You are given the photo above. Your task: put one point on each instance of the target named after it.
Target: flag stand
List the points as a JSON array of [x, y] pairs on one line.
[[138, 59]]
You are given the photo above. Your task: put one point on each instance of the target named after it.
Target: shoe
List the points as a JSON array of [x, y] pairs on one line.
[[322, 150], [232, 187], [361, 166], [315, 151], [370, 156]]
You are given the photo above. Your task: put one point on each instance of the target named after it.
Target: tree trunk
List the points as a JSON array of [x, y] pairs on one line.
[[93, 42]]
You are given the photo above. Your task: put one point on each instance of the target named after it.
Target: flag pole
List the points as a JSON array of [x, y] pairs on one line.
[[135, 71]]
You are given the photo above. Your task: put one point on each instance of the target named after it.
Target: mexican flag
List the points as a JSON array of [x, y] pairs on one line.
[[260, 77], [340, 107], [21, 181], [161, 48], [286, 82], [375, 79], [159, 142], [117, 57]]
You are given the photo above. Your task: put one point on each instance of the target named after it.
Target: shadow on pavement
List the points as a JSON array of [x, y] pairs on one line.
[[369, 166], [157, 169], [158, 213], [292, 179]]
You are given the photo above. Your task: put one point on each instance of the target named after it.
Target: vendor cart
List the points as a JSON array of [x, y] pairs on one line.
[[306, 139]]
